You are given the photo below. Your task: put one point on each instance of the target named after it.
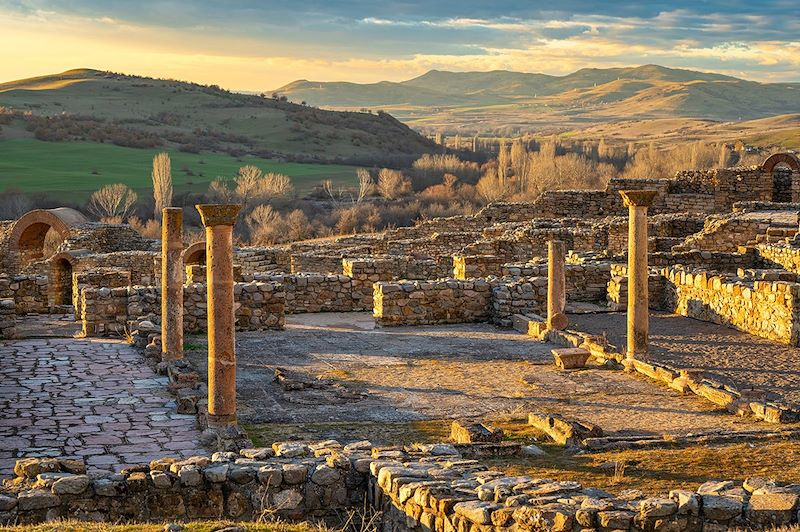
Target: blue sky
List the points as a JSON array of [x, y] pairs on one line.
[[250, 45]]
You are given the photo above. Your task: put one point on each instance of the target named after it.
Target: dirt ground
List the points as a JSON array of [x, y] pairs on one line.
[[350, 372], [732, 356]]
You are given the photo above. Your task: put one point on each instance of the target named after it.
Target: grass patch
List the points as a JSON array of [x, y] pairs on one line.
[[73, 170]]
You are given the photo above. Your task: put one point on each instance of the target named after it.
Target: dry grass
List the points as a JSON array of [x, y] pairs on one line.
[[194, 526]]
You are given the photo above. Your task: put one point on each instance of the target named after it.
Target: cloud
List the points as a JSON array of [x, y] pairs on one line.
[[249, 44]]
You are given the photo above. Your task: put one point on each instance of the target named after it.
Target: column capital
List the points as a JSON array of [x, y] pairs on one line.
[[638, 198], [213, 214]]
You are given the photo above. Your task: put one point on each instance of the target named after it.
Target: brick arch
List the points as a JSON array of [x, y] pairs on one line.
[[26, 240], [788, 159], [195, 254]]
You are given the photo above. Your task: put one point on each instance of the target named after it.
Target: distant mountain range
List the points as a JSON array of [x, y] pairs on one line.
[[498, 98]]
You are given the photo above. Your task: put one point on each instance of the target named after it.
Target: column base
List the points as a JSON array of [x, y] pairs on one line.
[[217, 421], [171, 357]]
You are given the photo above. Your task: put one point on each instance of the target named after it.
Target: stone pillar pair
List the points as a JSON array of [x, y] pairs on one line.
[[218, 221]]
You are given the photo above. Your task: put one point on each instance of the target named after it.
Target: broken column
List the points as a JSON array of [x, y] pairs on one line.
[[556, 286], [218, 221], [637, 202], [171, 284]]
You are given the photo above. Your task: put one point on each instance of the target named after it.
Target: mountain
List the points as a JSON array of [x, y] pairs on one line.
[[502, 99], [138, 111]]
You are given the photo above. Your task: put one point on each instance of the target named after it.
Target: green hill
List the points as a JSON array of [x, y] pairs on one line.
[[136, 111], [480, 101]]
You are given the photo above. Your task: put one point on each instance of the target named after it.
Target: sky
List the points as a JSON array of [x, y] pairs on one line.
[[262, 45]]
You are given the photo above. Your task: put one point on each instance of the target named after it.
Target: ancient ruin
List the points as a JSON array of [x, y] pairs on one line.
[[451, 320]]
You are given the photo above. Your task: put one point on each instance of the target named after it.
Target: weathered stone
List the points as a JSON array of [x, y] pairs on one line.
[[72, 485]]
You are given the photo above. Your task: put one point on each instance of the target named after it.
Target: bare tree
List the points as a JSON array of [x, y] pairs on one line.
[[392, 184], [365, 184], [112, 201], [162, 182]]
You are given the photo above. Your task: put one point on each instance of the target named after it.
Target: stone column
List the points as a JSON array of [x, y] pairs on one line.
[[171, 284], [637, 202], [218, 221], [556, 286]]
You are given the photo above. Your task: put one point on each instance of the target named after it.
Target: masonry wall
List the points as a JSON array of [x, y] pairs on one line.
[[786, 256], [105, 311], [770, 309], [29, 292], [431, 302], [312, 292], [7, 319]]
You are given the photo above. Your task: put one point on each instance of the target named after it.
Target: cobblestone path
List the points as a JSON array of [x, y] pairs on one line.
[[91, 399]]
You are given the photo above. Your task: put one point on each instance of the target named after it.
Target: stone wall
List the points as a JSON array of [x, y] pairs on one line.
[[97, 278], [8, 312], [420, 488], [726, 233], [740, 184], [316, 263], [431, 302], [104, 311], [259, 260], [786, 256], [584, 282], [312, 292], [247, 487], [29, 292], [770, 309], [472, 266]]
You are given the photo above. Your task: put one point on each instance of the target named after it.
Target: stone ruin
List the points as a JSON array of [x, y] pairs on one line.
[[720, 246]]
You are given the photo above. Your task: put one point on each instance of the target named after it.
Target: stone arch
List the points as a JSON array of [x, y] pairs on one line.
[[789, 159], [195, 254], [785, 185], [27, 238]]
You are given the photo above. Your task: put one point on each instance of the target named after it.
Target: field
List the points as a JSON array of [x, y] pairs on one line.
[[73, 170]]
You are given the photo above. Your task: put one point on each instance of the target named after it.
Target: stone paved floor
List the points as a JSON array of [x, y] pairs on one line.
[[93, 399], [730, 355], [355, 372]]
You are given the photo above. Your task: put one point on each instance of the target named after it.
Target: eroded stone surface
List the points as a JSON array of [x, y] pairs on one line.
[[94, 400]]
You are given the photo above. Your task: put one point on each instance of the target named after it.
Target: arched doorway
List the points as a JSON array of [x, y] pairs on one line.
[[195, 254], [61, 282], [784, 169], [39, 232]]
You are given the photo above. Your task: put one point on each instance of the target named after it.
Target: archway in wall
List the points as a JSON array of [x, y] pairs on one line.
[[784, 170], [39, 232], [61, 282], [195, 254]]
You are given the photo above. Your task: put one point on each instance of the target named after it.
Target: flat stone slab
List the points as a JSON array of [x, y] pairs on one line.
[[92, 399]]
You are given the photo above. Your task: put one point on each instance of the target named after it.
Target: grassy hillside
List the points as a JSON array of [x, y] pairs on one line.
[[512, 101], [174, 114], [73, 170], [781, 130]]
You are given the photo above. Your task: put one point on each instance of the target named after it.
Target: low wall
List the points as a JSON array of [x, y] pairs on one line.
[[247, 487], [97, 278], [105, 311], [316, 263], [431, 302], [770, 309], [8, 317], [420, 489], [29, 292], [785, 256], [472, 266], [311, 292]]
